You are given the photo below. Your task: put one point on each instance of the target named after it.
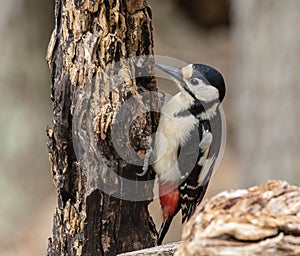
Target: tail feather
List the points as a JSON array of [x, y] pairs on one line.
[[163, 230]]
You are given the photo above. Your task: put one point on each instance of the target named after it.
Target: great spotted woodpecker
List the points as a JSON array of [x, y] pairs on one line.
[[188, 140]]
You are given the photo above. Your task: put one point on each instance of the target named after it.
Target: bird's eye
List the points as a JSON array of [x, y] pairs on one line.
[[194, 81]]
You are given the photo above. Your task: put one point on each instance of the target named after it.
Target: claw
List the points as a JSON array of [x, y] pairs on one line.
[[146, 162]]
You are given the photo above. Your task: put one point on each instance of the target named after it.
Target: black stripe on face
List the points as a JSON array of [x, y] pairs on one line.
[[186, 88], [197, 108]]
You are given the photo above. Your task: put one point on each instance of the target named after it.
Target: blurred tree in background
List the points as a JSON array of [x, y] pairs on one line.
[[267, 89], [206, 13], [25, 27]]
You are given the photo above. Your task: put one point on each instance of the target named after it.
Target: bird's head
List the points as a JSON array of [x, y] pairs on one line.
[[201, 82]]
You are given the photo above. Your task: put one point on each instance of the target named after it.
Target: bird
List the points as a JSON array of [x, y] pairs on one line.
[[188, 140]]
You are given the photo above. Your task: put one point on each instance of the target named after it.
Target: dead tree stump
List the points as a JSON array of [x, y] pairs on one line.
[[94, 70]]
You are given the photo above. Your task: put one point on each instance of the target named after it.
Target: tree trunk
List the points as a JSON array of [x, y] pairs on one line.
[[267, 89], [102, 117], [207, 13]]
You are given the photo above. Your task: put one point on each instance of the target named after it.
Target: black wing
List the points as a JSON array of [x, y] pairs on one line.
[[195, 174]]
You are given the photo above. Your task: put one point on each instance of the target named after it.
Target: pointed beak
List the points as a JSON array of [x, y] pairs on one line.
[[176, 73]]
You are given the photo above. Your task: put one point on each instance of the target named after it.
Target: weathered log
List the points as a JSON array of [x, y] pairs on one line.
[[262, 220], [163, 250]]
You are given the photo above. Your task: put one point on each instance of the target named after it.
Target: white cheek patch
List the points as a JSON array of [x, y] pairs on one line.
[[187, 72], [207, 93]]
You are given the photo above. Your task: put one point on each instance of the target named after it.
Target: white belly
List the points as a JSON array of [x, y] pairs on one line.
[[171, 133]]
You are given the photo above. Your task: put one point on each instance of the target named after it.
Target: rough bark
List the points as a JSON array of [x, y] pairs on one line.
[[97, 213]]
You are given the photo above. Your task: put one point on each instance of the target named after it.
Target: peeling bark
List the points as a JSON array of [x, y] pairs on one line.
[[261, 220], [91, 79]]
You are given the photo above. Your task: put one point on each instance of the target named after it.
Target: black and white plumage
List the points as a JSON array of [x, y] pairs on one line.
[[188, 140]]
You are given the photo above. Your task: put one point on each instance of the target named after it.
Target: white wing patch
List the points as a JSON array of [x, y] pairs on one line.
[[205, 172], [206, 140], [204, 146], [207, 163]]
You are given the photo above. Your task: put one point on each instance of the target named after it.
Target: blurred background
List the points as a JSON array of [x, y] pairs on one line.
[[256, 46]]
